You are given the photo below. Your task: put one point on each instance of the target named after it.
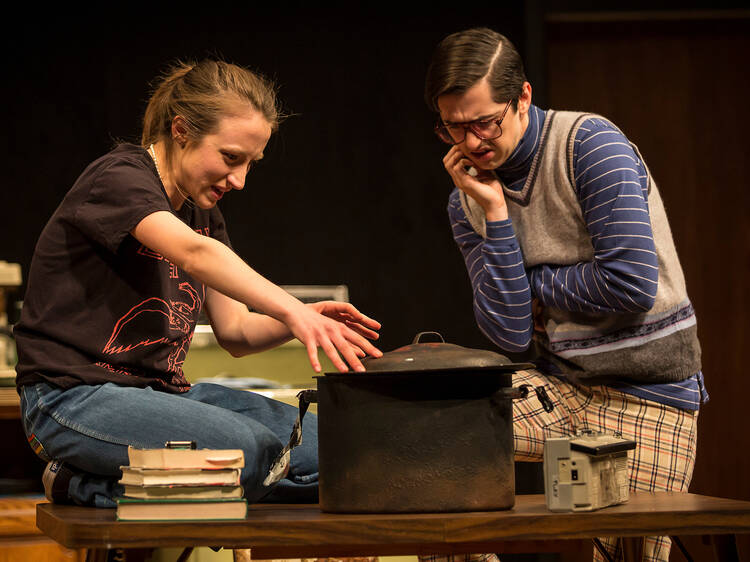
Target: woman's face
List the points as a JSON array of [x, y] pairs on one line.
[[218, 163]]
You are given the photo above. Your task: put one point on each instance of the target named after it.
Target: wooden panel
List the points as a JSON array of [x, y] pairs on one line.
[[18, 517], [9, 404], [21, 539], [677, 89], [42, 550]]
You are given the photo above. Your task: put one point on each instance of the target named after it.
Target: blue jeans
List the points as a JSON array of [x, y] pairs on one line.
[[90, 428]]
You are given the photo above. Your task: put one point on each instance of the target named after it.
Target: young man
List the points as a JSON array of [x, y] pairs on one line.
[[567, 244]]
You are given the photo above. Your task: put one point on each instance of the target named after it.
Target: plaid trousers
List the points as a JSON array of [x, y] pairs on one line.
[[662, 461]]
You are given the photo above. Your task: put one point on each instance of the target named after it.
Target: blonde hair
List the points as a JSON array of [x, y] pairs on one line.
[[202, 93]]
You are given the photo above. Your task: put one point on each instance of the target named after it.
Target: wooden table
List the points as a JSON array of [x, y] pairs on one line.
[[303, 531]]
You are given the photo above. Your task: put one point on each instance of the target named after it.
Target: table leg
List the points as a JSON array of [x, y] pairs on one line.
[[96, 555], [725, 548], [632, 549]]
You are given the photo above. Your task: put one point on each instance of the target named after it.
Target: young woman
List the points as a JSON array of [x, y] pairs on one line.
[[119, 276]]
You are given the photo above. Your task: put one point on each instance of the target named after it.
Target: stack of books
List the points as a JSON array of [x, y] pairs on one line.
[[182, 485]]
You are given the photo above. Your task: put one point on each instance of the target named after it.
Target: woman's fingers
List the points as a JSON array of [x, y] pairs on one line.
[[345, 342], [354, 338], [350, 355], [346, 313], [342, 332], [332, 351], [312, 355], [353, 311], [361, 330]]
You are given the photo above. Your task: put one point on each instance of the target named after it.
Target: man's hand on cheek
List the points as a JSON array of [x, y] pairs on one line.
[[482, 186]]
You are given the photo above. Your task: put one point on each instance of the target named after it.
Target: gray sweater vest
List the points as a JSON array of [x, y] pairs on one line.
[[660, 345]]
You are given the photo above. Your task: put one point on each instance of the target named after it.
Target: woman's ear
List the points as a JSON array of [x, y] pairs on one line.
[[180, 130]]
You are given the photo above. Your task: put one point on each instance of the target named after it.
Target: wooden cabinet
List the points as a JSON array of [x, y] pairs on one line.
[[20, 473]]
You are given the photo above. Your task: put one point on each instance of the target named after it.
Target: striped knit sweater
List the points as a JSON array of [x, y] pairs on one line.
[[579, 196]]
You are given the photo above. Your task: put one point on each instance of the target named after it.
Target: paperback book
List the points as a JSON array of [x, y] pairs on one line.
[[182, 492], [179, 476], [168, 458], [131, 509]]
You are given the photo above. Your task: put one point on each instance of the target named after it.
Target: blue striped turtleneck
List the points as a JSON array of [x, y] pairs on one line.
[[607, 173], [514, 171]]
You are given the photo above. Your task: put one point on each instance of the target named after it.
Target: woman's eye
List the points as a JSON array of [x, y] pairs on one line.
[[229, 156]]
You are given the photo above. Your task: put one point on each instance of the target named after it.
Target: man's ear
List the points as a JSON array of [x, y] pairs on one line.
[[524, 100]]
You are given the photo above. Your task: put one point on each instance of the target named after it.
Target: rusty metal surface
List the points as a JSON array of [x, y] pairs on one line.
[[395, 444]]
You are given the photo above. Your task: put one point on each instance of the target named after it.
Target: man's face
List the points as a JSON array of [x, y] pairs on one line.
[[476, 104]]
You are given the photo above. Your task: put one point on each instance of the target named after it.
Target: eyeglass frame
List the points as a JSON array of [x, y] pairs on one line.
[[468, 126]]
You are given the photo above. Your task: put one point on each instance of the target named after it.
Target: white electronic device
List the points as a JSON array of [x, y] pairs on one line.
[[586, 471]]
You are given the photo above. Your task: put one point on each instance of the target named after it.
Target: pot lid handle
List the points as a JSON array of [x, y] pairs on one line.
[[418, 337]]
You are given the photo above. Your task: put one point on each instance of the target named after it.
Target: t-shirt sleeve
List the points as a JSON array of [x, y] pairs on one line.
[[218, 227], [116, 199]]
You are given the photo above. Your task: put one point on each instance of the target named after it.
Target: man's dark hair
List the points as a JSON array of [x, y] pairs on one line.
[[464, 58]]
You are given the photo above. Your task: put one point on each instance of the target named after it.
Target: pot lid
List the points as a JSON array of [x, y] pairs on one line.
[[431, 356]]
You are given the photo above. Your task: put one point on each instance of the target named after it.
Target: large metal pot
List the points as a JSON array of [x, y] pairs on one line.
[[428, 428]]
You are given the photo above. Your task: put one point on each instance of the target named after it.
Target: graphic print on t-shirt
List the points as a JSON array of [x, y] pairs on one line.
[[142, 326], [154, 334]]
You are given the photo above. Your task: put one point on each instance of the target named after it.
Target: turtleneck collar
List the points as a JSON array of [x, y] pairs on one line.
[[514, 170]]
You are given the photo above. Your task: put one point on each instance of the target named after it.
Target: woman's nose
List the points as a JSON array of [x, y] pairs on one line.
[[237, 179]]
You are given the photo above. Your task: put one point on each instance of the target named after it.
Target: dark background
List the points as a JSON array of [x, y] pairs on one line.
[[352, 188]]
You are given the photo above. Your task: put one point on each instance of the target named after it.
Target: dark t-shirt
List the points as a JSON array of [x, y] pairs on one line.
[[100, 306]]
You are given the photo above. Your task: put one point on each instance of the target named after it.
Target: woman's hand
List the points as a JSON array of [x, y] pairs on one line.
[[338, 328], [349, 315], [484, 188]]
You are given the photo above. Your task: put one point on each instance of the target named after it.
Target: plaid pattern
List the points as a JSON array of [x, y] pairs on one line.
[[666, 438], [662, 461]]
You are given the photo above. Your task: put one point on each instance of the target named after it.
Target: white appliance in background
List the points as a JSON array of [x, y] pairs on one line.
[[10, 278], [204, 335], [316, 293], [207, 362]]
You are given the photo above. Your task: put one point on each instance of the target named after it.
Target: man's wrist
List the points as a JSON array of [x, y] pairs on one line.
[[496, 213]]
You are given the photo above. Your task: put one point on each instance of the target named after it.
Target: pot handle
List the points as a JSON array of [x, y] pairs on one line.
[[523, 391], [280, 465], [418, 337]]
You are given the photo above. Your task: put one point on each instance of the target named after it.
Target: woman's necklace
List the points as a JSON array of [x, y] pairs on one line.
[[152, 152]]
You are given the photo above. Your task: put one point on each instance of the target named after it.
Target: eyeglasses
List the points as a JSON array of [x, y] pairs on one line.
[[455, 133]]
